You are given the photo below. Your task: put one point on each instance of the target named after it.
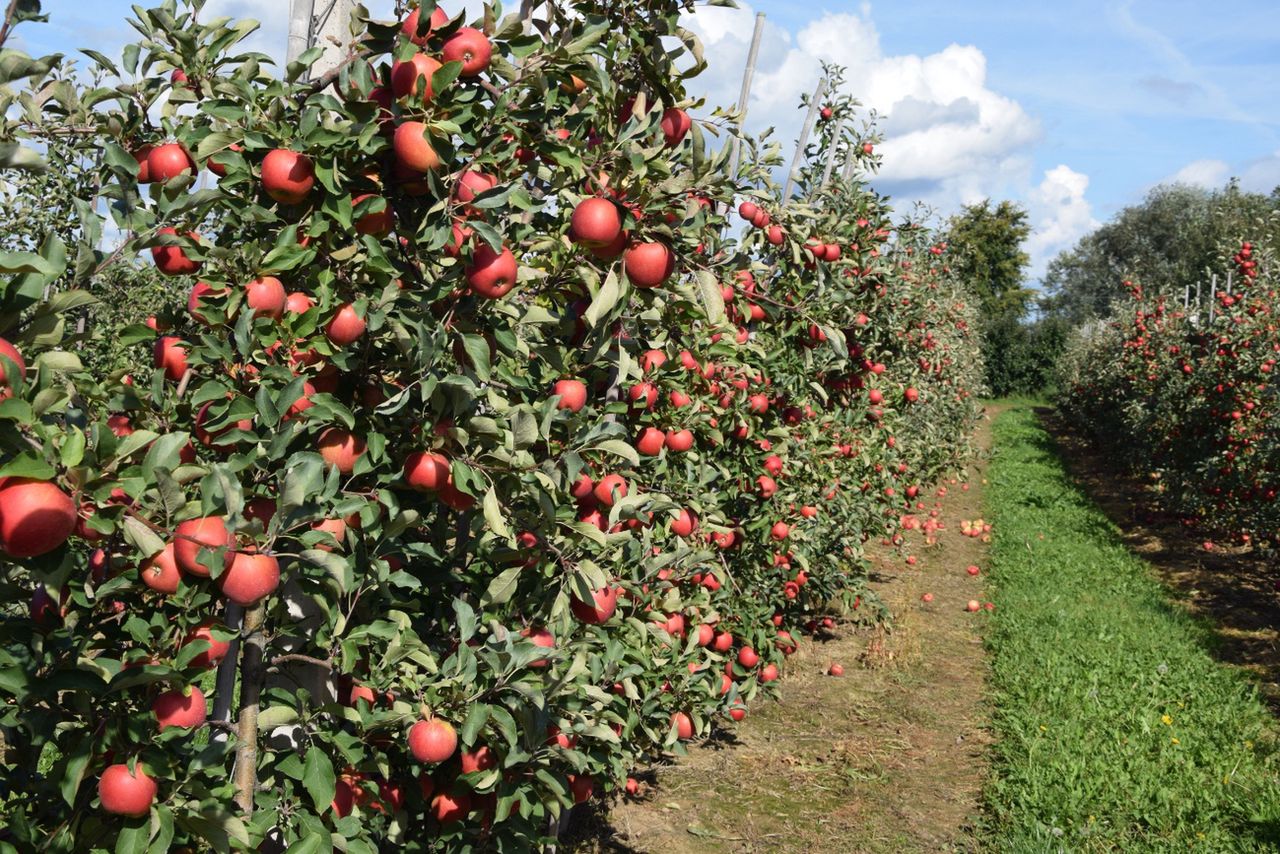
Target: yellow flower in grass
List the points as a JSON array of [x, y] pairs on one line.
[[1174, 741], [1166, 720]]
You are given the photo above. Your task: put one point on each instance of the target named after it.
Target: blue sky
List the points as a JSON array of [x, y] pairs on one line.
[[1072, 108]]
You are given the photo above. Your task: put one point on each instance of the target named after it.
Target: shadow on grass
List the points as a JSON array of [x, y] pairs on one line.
[[1232, 591], [590, 822]]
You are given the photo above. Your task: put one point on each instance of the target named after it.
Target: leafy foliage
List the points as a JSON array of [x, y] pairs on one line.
[[986, 244], [430, 490], [1173, 238], [1189, 395]]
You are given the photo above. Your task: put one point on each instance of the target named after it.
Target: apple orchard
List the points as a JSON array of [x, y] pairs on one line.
[[493, 439]]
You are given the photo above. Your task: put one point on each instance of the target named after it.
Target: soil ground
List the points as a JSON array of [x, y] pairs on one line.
[[887, 758]]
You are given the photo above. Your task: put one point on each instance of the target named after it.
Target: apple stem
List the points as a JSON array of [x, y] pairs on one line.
[[252, 677]]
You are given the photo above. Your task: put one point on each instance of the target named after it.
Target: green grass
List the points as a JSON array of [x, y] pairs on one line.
[[1116, 728]]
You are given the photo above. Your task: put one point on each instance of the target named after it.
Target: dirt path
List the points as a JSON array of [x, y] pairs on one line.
[[887, 758]]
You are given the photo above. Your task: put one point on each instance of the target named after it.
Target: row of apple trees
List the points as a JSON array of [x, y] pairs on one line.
[[1186, 395], [491, 441]]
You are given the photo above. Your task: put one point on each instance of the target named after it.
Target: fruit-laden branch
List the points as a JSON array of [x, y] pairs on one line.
[[252, 676], [9, 15]]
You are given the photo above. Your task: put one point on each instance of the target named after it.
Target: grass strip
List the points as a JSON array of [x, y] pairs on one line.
[[1117, 730]]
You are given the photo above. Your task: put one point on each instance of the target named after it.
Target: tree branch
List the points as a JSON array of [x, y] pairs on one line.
[[8, 21], [326, 663], [252, 676]]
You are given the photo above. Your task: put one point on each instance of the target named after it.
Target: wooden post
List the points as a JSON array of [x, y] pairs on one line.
[[831, 160], [1213, 294], [809, 119], [1228, 283], [847, 172], [1186, 297], [745, 94]]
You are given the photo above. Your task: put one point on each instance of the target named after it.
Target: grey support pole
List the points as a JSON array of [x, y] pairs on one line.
[[831, 160], [323, 23], [299, 28], [745, 94], [804, 139]]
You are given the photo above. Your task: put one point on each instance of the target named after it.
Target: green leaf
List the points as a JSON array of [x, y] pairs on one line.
[[14, 156], [605, 299], [134, 836], [25, 262], [311, 843], [165, 452], [28, 464], [73, 774], [318, 778], [141, 537], [712, 298], [60, 360], [135, 441], [277, 716], [493, 515], [619, 448], [477, 717], [72, 451], [502, 587]]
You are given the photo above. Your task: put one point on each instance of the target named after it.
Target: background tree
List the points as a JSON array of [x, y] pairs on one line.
[[1174, 237], [986, 243]]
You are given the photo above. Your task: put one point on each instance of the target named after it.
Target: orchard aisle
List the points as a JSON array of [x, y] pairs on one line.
[[889, 757], [1117, 727]]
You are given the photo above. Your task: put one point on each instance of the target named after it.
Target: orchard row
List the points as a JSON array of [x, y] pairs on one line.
[[1189, 394], [493, 442]]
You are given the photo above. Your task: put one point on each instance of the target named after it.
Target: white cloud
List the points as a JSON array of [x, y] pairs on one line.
[[1210, 174], [1060, 215], [950, 139], [1259, 175]]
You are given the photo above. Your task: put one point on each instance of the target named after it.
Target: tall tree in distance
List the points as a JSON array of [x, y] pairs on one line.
[[985, 242], [1172, 238]]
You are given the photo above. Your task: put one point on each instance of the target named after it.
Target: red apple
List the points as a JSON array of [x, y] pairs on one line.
[[595, 222], [193, 535], [36, 516], [217, 650], [600, 609], [470, 47], [648, 264], [266, 296], [429, 472], [346, 326], [412, 149], [683, 724], [122, 792], [250, 578], [180, 708], [432, 740], [172, 260], [609, 489], [675, 125], [166, 162], [287, 176], [160, 571], [19, 367], [572, 394], [491, 274], [340, 448]]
